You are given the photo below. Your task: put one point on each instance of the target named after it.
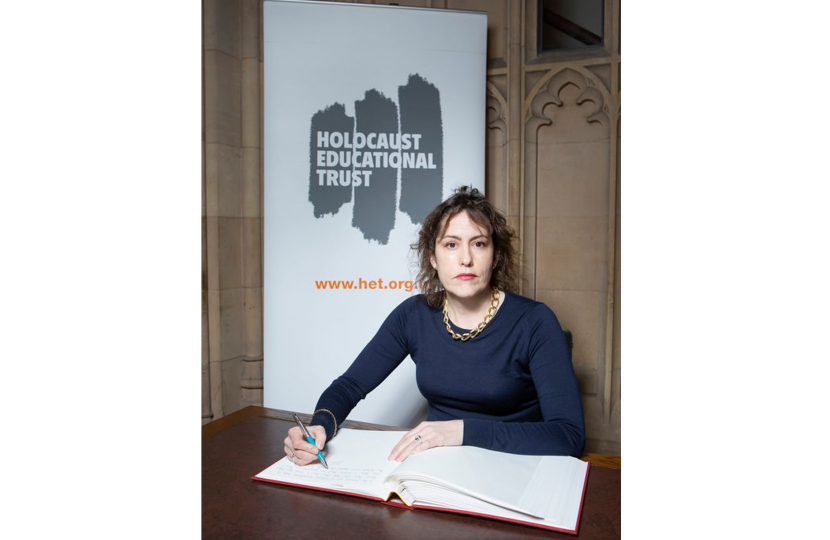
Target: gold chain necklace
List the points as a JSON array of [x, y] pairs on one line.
[[494, 305]]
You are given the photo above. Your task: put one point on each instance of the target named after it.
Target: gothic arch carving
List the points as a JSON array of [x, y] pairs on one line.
[[496, 106], [548, 91]]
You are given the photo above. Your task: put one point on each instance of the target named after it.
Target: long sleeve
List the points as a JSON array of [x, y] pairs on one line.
[[562, 429], [379, 358]]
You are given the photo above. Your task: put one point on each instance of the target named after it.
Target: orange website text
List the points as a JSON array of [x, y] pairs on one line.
[[365, 284]]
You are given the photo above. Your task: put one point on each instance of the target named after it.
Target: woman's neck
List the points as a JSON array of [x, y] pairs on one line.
[[468, 312]]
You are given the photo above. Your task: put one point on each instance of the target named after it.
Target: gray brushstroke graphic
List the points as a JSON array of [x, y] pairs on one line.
[[374, 204], [422, 189], [364, 155], [330, 196]]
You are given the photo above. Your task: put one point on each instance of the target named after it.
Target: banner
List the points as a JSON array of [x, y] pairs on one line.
[[372, 116]]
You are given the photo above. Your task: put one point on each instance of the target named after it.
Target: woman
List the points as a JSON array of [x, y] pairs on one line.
[[494, 366]]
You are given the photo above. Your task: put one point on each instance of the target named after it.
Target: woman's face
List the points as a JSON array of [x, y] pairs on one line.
[[464, 257]]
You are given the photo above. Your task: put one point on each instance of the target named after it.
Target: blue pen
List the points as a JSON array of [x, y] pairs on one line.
[[310, 439]]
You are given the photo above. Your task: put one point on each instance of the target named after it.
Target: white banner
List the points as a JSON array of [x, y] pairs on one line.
[[373, 115]]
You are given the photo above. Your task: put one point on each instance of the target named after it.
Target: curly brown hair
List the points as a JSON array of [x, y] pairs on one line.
[[505, 275]]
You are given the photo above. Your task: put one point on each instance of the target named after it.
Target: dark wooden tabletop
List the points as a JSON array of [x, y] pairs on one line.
[[238, 446]]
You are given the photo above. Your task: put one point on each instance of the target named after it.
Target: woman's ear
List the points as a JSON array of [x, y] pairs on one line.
[[433, 262]]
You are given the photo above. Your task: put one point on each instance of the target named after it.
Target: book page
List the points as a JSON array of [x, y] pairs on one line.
[[356, 459], [545, 487], [493, 476]]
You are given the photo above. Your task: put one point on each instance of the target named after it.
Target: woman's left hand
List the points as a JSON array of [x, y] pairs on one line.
[[429, 435]]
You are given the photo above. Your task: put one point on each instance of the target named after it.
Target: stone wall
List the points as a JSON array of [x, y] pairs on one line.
[[553, 161]]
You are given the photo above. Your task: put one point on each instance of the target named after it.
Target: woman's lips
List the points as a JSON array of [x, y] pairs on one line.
[[466, 277]]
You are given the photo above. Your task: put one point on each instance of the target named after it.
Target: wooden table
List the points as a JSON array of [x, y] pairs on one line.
[[238, 446]]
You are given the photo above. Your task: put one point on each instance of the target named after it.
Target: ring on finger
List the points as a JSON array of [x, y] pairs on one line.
[[419, 439]]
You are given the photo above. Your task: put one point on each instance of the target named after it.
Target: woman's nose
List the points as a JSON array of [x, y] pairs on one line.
[[466, 256]]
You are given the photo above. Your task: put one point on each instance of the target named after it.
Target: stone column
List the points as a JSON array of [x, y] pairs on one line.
[[206, 413], [251, 211], [232, 261]]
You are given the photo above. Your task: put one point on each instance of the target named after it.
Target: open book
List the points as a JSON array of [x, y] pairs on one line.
[[541, 491]]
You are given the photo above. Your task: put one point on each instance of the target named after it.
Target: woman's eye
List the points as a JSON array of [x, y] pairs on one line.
[[450, 245], [481, 244]]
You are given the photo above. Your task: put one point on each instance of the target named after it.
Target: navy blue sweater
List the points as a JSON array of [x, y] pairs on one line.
[[513, 384]]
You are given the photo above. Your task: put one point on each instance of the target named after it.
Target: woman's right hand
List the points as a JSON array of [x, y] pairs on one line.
[[300, 451]]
